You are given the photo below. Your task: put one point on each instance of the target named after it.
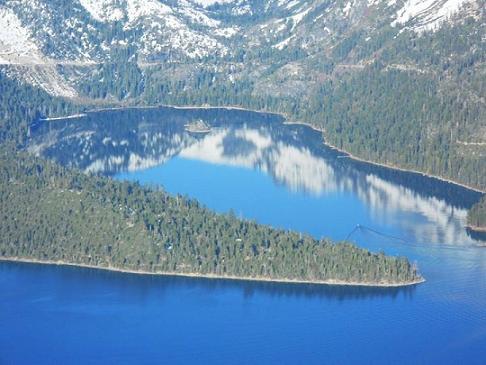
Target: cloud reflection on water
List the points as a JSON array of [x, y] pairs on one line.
[[293, 156]]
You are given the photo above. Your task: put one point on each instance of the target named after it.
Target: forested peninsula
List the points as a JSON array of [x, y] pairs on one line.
[[53, 214], [56, 215]]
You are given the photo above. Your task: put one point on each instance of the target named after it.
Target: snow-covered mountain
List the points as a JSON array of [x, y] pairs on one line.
[[54, 43], [87, 30]]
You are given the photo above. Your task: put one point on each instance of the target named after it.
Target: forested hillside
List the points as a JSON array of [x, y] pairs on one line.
[[20, 105], [420, 105], [54, 214], [476, 218]]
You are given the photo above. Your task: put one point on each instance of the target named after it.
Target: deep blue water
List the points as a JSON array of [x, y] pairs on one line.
[[278, 175]]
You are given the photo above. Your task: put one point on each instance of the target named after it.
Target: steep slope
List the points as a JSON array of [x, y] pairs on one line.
[[89, 30]]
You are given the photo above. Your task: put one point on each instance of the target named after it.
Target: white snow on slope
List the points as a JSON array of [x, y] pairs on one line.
[[103, 10], [137, 9], [226, 32], [114, 10], [197, 16], [164, 27], [44, 77], [347, 8], [172, 34], [15, 39], [427, 14], [297, 18], [206, 3], [281, 45], [17, 48]]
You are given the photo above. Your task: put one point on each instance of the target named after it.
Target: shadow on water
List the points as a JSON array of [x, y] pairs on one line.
[[476, 235], [144, 285], [428, 187]]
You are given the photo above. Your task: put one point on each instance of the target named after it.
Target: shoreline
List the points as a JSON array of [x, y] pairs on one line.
[[186, 107], [211, 276], [381, 164], [287, 121], [72, 116], [476, 229]]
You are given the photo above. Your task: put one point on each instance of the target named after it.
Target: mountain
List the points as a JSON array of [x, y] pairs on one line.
[[392, 81], [85, 33]]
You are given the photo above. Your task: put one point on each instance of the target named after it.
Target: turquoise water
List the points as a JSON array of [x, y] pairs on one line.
[[279, 175]]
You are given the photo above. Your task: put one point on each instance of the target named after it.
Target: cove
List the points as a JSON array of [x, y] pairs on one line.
[[281, 175]]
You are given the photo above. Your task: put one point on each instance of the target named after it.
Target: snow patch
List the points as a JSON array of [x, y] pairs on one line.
[[427, 15], [15, 39], [206, 3], [226, 32], [347, 8], [44, 77], [297, 18], [103, 10], [137, 9], [281, 45]]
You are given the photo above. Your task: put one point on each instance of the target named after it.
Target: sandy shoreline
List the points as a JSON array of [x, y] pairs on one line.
[[211, 276]]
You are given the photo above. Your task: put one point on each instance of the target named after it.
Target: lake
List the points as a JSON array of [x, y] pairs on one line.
[[282, 175]]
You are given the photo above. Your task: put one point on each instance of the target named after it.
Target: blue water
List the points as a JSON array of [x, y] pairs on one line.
[[255, 195], [278, 175]]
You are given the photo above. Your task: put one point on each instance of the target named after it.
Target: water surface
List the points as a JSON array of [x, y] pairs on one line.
[[275, 174]]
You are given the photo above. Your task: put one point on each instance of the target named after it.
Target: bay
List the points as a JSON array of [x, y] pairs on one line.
[[283, 175]]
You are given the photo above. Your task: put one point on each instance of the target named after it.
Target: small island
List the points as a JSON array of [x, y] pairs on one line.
[[198, 126]]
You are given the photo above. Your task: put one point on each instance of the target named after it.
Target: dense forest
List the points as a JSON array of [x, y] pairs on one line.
[[20, 105], [414, 128], [50, 213], [476, 218]]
